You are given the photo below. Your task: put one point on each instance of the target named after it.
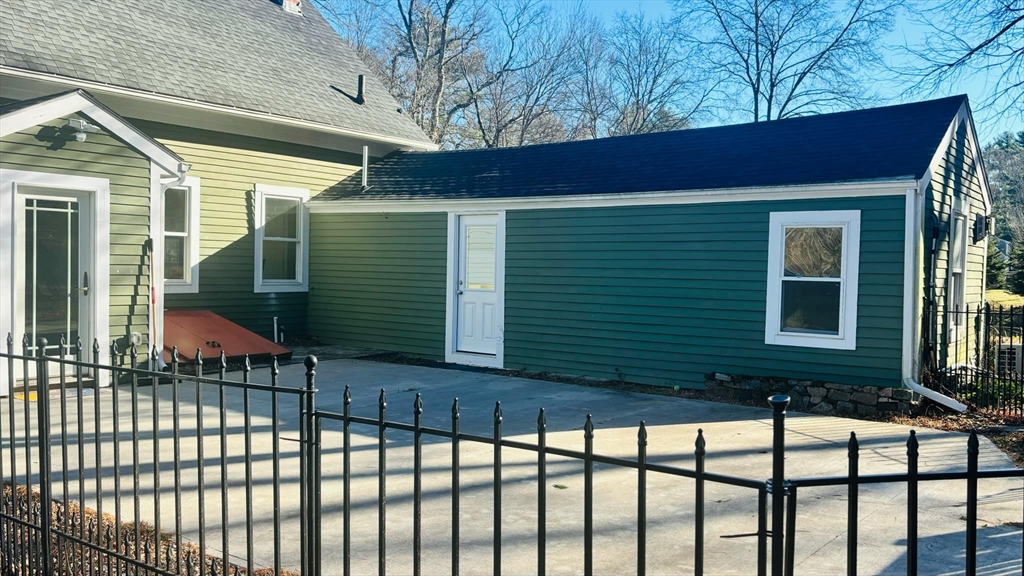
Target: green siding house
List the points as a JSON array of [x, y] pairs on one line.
[[144, 172], [799, 250]]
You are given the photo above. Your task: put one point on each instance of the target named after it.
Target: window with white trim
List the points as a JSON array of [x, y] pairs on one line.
[[282, 238], [813, 264], [957, 260], [181, 237]]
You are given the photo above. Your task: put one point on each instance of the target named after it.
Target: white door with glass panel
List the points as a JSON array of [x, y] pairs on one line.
[[52, 256], [476, 294]]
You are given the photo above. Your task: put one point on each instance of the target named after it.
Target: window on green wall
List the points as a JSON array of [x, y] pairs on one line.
[[812, 279], [181, 237], [957, 260], [281, 239]]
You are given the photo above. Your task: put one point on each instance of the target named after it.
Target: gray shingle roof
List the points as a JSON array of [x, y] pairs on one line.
[[248, 54], [875, 144]]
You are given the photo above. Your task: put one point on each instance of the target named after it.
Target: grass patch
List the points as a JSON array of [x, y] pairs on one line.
[[1003, 298]]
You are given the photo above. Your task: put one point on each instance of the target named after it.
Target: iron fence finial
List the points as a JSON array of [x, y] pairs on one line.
[[542, 420], [973, 445], [41, 344], [154, 355], [10, 340], [63, 341], [348, 395], [853, 445], [588, 427], [95, 345], [78, 344], [223, 359], [455, 409], [641, 434], [912, 444], [700, 444], [24, 341], [417, 405], [199, 357], [133, 352], [779, 402], [497, 412], [382, 400], [275, 367], [246, 364]]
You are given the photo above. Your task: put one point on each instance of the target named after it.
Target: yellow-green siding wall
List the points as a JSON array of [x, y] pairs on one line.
[[957, 175], [101, 156], [229, 167]]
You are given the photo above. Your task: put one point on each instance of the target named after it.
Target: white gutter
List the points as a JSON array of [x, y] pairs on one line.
[[934, 396], [100, 87]]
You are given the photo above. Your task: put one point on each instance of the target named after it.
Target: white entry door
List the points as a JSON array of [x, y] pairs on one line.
[[476, 296], [52, 258]]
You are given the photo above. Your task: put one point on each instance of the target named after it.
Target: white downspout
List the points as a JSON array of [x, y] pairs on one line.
[[912, 300], [153, 281]]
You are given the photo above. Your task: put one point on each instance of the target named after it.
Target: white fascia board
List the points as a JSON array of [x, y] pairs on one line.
[[219, 108], [79, 102], [44, 111], [132, 136], [845, 190], [964, 115]]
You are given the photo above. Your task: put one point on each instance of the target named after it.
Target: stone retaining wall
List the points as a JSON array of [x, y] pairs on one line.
[[811, 396]]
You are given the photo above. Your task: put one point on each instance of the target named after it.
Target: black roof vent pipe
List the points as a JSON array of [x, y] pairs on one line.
[[359, 92]]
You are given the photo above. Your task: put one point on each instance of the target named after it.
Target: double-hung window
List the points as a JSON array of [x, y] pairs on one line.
[[813, 262], [957, 261], [181, 237], [282, 235]]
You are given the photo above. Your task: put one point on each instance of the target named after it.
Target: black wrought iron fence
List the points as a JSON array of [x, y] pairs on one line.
[[55, 518], [979, 359], [95, 502]]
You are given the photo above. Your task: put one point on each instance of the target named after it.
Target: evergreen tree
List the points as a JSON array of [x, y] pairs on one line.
[[995, 271], [1015, 279]]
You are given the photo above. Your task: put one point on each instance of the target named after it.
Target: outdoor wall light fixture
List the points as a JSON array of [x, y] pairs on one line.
[[79, 129]]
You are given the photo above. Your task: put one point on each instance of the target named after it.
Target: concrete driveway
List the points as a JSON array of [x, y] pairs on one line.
[[738, 443]]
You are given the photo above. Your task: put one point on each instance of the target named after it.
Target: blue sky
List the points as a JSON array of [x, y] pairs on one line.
[[978, 87]]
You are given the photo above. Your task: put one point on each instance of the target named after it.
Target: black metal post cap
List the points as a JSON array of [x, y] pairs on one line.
[[779, 403]]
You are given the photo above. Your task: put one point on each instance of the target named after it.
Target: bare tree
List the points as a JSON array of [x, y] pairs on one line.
[[590, 104], [519, 91], [653, 87], [787, 58], [981, 37]]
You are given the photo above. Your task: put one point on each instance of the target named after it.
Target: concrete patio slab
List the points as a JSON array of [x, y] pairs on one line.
[[738, 443]]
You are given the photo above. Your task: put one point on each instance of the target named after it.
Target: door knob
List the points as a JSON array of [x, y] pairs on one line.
[[459, 292]]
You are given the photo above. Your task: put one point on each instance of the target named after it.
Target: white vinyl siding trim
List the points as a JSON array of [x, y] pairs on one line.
[[190, 284], [301, 281], [849, 221]]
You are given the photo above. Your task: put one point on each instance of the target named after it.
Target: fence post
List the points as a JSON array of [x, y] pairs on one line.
[[45, 499], [698, 544], [972, 504], [852, 506], [779, 402], [310, 520]]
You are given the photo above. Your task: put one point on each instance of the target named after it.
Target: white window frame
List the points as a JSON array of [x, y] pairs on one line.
[[301, 284], [849, 221], [956, 300], [190, 285]]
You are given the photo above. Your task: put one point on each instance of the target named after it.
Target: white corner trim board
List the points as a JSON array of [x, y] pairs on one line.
[[663, 198], [849, 221]]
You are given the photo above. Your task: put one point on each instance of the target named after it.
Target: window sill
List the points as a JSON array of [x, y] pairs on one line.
[[811, 341], [181, 287], [266, 288]]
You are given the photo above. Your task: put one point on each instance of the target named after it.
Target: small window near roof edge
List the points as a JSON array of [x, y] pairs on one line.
[[813, 269]]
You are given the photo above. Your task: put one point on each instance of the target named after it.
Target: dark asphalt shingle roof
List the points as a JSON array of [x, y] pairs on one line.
[[862, 145], [247, 54]]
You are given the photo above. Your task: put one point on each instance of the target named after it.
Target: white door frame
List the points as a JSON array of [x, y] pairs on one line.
[[97, 191], [451, 354]]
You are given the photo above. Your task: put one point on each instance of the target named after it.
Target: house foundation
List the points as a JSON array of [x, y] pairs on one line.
[[811, 396]]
